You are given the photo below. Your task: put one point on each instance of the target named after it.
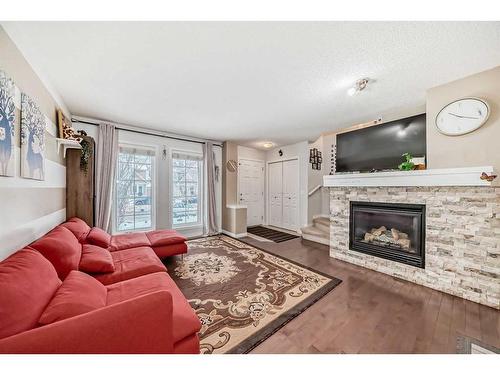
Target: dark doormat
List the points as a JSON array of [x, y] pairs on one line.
[[270, 234]]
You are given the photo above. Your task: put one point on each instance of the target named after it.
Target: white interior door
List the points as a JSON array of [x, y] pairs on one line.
[[275, 200], [291, 194], [251, 189]]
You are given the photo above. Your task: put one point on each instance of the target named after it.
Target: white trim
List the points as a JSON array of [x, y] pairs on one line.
[[314, 190], [236, 206], [234, 235], [468, 176]]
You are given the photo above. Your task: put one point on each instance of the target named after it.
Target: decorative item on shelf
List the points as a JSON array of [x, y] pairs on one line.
[[315, 158], [85, 156], [280, 152], [231, 166], [7, 124], [32, 139], [419, 163], [407, 165], [487, 177], [462, 116], [66, 130]]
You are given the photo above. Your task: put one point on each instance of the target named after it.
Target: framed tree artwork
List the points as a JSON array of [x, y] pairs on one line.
[[7, 124], [32, 140]]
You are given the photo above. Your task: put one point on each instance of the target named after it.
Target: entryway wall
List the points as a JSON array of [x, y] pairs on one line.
[[234, 223]]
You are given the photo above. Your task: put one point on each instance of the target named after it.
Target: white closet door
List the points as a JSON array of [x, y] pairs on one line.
[[291, 194], [251, 189], [276, 194]]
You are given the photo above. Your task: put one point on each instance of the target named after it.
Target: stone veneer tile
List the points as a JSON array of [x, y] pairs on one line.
[[462, 237]]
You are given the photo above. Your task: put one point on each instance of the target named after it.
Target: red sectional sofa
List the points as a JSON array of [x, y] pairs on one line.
[[66, 294]]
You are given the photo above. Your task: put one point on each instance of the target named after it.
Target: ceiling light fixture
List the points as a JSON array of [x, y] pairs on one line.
[[268, 144], [359, 86]]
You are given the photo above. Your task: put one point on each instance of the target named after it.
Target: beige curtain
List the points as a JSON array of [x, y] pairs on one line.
[[210, 225], [107, 153]]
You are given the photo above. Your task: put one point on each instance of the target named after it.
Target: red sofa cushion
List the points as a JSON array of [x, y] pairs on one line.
[[99, 237], [129, 240], [95, 259], [185, 320], [27, 283], [78, 294], [78, 227], [169, 250], [132, 263], [165, 237], [61, 248]]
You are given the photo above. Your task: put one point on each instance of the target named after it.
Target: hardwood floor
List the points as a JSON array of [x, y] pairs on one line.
[[371, 312]]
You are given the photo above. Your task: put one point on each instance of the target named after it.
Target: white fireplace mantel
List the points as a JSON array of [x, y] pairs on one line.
[[468, 176]]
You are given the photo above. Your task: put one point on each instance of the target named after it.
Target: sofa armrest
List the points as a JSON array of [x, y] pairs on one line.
[[139, 325]]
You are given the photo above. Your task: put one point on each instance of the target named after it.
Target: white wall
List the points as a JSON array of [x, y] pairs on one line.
[[251, 153], [30, 208], [163, 179], [298, 150], [315, 178]]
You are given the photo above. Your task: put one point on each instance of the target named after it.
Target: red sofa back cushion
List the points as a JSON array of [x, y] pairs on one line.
[[95, 259], [99, 237], [27, 283], [78, 227], [62, 248], [78, 294]]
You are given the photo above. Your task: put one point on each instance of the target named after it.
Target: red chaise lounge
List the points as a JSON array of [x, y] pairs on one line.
[[165, 242], [130, 306]]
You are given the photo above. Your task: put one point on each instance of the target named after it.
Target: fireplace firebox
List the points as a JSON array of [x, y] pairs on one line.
[[388, 230]]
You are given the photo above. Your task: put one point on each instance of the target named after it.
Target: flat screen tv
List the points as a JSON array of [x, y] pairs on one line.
[[380, 147]]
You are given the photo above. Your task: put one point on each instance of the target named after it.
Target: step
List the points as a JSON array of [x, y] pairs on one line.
[[314, 231], [314, 234], [322, 222]]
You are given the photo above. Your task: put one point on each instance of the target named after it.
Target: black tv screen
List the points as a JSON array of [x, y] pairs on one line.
[[380, 147]]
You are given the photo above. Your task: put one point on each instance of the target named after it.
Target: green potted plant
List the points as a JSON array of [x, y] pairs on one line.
[[407, 165]]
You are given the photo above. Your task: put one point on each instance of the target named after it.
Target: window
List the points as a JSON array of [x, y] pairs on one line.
[[134, 180], [186, 197]]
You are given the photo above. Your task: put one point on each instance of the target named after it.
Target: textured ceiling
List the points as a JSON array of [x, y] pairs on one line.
[[251, 81]]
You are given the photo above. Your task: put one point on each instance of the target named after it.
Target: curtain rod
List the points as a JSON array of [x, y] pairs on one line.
[[146, 133]]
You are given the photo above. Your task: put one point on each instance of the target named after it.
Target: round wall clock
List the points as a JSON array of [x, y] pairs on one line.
[[462, 116]]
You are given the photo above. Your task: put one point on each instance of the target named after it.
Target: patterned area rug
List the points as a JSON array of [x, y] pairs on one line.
[[242, 294]]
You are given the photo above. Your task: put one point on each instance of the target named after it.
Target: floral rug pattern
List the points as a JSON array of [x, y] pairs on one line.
[[243, 294]]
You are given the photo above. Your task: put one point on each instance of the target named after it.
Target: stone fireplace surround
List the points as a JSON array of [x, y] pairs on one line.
[[462, 232]]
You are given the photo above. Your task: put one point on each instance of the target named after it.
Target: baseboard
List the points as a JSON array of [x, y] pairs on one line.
[[234, 235]]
